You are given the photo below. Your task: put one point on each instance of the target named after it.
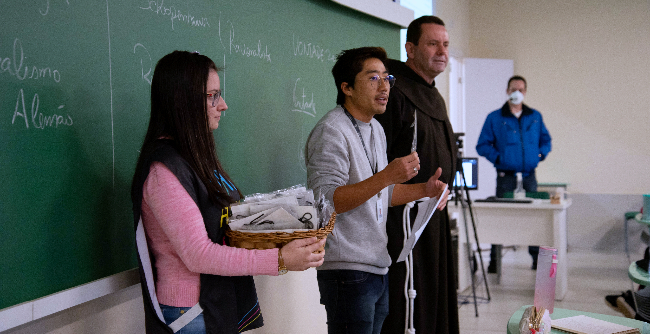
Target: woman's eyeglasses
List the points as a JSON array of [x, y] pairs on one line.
[[214, 97]]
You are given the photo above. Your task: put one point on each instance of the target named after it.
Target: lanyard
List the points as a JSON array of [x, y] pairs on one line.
[[356, 127]]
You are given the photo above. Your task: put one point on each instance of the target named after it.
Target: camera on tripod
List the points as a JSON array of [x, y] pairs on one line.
[[468, 166], [459, 140], [465, 179]]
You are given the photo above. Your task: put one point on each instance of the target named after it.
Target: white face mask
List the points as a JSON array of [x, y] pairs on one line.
[[516, 97]]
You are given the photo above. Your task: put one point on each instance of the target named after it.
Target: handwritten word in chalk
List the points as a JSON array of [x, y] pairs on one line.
[[38, 119], [145, 62], [311, 50], [176, 14], [14, 66], [248, 51], [47, 7], [300, 105]]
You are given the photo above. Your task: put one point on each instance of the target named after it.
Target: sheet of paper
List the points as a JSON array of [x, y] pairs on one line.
[[426, 209], [584, 324]]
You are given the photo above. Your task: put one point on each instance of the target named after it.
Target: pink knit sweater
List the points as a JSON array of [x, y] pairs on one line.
[[180, 245]]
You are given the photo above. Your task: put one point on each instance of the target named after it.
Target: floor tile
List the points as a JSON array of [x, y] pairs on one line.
[[592, 276]]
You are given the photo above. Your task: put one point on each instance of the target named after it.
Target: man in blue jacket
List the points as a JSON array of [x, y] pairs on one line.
[[515, 139]]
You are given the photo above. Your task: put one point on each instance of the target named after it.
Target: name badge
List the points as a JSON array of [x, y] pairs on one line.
[[380, 210]]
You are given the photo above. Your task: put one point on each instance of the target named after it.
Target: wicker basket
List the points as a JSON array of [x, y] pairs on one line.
[[251, 240]]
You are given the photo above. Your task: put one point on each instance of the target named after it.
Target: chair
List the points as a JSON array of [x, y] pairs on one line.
[[628, 216]]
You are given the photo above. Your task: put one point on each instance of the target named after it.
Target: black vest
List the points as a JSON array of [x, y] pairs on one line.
[[229, 303]]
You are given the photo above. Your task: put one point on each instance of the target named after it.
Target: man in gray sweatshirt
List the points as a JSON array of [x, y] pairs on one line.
[[346, 162]]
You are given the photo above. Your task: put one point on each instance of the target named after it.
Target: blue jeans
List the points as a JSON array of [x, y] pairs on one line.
[[356, 302], [171, 313]]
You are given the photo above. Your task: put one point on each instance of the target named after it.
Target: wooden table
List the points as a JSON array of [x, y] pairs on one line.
[[536, 224]]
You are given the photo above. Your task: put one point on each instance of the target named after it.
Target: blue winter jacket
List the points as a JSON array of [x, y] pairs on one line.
[[514, 145]]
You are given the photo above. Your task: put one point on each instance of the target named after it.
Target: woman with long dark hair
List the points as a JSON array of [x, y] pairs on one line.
[[191, 278]]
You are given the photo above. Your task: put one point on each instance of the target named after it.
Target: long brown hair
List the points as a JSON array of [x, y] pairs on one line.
[[179, 112]]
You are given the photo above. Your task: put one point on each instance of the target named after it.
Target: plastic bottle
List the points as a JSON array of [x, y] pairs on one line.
[[545, 278], [519, 192]]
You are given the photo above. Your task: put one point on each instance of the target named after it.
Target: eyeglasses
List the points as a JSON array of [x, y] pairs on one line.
[[387, 80], [214, 97]]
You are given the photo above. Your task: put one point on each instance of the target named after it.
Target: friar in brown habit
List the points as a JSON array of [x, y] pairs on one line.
[[436, 310]]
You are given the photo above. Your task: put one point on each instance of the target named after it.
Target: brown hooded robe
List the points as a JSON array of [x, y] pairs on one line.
[[436, 310]]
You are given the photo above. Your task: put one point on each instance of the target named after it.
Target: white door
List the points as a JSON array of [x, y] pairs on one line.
[[484, 83], [476, 87], [456, 98]]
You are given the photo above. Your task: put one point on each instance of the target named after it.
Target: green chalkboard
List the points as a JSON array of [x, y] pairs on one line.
[[74, 104]]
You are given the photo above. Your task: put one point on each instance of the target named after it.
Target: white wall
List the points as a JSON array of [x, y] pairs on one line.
[[485, 91], [289, 303], [586, 66], [120, 312], [455, 14]]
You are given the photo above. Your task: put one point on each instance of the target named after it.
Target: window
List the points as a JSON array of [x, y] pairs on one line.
[[419, 8]]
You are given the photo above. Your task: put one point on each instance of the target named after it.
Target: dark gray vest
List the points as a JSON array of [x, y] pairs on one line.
[[229, 303]]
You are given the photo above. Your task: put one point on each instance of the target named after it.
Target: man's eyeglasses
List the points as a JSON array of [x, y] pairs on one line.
[[387, 80], [214, 97]]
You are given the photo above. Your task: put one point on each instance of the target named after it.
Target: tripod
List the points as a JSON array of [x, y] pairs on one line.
[[466, 205]]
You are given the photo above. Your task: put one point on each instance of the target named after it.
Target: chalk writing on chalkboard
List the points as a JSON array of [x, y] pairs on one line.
[[311, 50], [47, 7], [299, 103], [301, 154], [76, 109], [15, 66], [38, 119], [177, 14], [244, 50], [144, 63]]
